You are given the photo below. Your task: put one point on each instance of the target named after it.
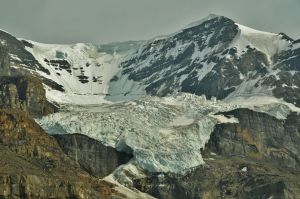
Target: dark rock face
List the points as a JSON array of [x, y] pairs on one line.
[[59, 65], [13, 53], [24, 58], [259, 136], [21, 90], [163, 74], [4, 61], [287, 85], [92, 156], [34, 166], [25, 93], [224, 178], [202, 59], [257, 158]]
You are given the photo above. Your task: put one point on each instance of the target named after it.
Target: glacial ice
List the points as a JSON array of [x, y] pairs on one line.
[[163, 134]]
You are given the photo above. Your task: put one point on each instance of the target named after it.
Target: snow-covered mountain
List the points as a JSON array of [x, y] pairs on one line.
[[215, 56], [214, 83]]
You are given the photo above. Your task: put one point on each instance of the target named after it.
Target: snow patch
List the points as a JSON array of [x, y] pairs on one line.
[[224, 119], [124, 183], [266, 42]]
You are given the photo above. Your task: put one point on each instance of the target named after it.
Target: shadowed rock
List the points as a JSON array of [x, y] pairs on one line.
[[92, 155]]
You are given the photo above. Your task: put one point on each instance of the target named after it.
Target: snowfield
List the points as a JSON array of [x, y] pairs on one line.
[[266, 42], [97, 64]]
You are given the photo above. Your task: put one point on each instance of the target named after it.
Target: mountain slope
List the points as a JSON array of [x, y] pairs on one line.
[[83, 70], [219, 58], [34, 166], [215, 56]]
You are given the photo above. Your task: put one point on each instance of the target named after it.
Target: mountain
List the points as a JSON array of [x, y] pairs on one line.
[[210, 111], [215, 56]]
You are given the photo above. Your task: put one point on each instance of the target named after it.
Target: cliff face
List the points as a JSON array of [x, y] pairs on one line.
[[34, 166], [229, 178], [22, 91], [92, 155], [18, 56], [259, 136], [25, 93]]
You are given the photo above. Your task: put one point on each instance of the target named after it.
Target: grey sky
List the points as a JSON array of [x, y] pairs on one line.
[[98, 21]]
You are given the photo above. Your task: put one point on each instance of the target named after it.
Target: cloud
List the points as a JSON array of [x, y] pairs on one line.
[[98, 21]]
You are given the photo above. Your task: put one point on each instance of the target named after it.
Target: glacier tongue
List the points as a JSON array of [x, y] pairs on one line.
[[164, 134]]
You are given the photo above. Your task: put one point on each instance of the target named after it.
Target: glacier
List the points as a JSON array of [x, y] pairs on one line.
[[163, 134]]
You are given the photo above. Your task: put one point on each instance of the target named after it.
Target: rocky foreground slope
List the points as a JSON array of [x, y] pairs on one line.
[[211, 111], [34, 166]]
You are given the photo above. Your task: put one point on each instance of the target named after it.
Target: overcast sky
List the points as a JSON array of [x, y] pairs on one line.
[[99, 21]]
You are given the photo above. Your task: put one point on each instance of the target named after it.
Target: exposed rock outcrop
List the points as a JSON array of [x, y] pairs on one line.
[[259, 157], [34, 166], [216, 57], [259, 136], [21, 91], [228, 178], [25, 93], [19, 57], [92, 155], [255, 158], [4, 61]]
